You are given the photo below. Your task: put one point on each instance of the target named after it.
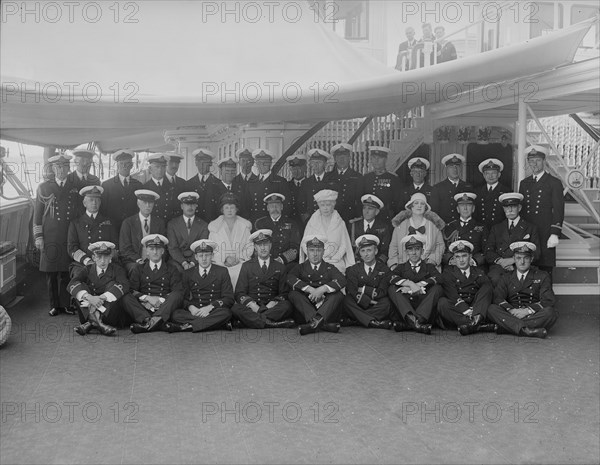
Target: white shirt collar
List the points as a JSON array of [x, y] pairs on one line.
[[515, 221], [299, 181], [319, 176], [100, 270], [91, 215], [154, 265], [185, 218], [342, 172], [275, 220], [201, 270], [465, 221], [80, 175], [418, 264], [169, 177], [227, 185], [264, 176], [267, 262], [203, 177], [519, 274], [418, 186], [156, 181], [368, 223], [143, 218], [493, 186], [367, 267], [123, 178]]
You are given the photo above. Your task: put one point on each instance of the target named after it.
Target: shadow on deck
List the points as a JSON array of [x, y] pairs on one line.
[[360, 396]]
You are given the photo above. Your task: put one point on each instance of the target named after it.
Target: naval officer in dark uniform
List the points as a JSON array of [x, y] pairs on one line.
[[245, 161], [488, 209], [543, 205], [176, 184], [261, 290], [205, 185], [317, 159], [418, 167], [346, 182], [81, 177], [163, 207], [371, 223], [267, 183], [442, 194], [297, 164], [524, 300], [382, 183]]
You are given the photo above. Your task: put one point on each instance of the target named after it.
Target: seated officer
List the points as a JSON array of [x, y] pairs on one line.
[[185, 229], [261, 290], [137, 226], [316, 289], [367, 285], [157, 287], [524, 300], [208, 294], [468, 293], [99, 288], [466, 228], [414, 288], [285, 237], [498, 253], [372, 223]]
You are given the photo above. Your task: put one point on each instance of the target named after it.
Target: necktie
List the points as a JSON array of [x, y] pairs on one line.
[[125, 183], [535, 179], [146, 227], [264, 267], [158, 183], [418, 189], [370, 271], [204, 273], [415, 268], [521, 279], [420, 229], [262, 178], [228, 188], [155, 269], [490, 188], [101, 273], [315, 267], [511, 227], [60, 184], [318, 179], [189, 224], [84, 178], [368, 230], [464, 223], [466, 273]]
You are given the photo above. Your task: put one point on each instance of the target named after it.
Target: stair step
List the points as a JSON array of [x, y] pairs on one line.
[[576, 289]]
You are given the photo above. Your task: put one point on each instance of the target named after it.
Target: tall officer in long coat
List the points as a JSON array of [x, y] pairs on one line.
[[346, 182], [267, 183], [442, 194], [488, 209], [381, 183], [543, 205], [56, 204], [418, 167]]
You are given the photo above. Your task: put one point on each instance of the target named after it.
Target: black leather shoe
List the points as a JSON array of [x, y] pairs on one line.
[[83, 328], [227, 326], [55, 311], [70, 310], [348, 322], [331, 327], [383, 324], [488, 328], [152, 324], [534, 332], [414, 324], [400, 326], [311, 327], [238, 324], [171, 327], [289, 323]]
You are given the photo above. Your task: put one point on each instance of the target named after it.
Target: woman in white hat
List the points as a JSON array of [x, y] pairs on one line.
[[417, 219]]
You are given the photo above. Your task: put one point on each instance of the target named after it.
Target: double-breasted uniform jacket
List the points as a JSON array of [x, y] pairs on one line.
[[163, 207], [535, 292], [85, 278], [131, 234], [161, 283], [428, 273], [54, 209], [208, 203], [296, 204], [176, 187], [215, 289], [347, 186], [544, 206], [460, 290], [380, 228], [408, 190], [488, 209], [78, 183], [474, 232], [499, 240], [255, 286], [240, 190], [309, 187], [84, 231], [386, 187], [180, 238], [375, 285], [442, 198], [119, 202], [303, 275], [285, 238], [258, 190]]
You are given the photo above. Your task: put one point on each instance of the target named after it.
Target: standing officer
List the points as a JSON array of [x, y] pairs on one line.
[[543, 205], [81, 177], [175, 183], [208, 294], [55, 206], [524, 300], [466, 228], [138, 226], [246, 161], [414, 288], [285, 232], [156, 288], [261, 290], [316, 289], [468, 293], [418, 172], [367, 285], [382, 183], [118, 198], [296, 205], [163, 206], [184, 230], [371, 223], [316, 182], [346, 182], [488, 209], [227, 170], [498, 253], [204, 184], [267, 183], [442, 194]]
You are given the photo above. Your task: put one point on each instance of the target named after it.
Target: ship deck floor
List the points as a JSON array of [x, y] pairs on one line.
[[359, 396]]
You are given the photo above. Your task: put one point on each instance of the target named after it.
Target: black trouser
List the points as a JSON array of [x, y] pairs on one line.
[[138, 313], [214, 320], [257, 320], [114, 315], [544, 318], [423, 306], [329, 310], [450, 316], [56, 282], [379, 311]]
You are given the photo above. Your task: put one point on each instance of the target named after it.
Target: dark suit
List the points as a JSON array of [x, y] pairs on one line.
[[535, 292], [163, 207], [446, 52], [421, 305], [544, 206], [303, 275], [358, 304], [258, 190], [180, 238], [215, 289], [380, 228], [404, 49], [473, 232], [130, 238], [408, 190], [255, 286], [498, 244], [164, 282], [296, 203], [79, 184], [285, 238], [347, 186], [84, 231], [119, 202], [462, 293], [386, 186], [208, 203], [442, 198], [239, 179], [488, 209]]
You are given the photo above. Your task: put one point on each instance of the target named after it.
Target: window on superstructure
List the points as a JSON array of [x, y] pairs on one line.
[[350, 18], [543, 20], [581, 13]]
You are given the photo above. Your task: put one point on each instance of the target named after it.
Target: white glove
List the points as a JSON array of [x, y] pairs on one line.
[[552, 241], [39, 243]]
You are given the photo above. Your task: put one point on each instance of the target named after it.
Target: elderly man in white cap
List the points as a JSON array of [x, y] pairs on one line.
[[371, 223], [55, 206], [442, 194], [346, 181], [543, 205], [118, 199], [327, 222], [488, 209], [382, 183], [205, 185], [418, 167]]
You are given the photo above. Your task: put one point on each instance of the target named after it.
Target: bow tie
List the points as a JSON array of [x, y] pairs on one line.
[[412, 230]]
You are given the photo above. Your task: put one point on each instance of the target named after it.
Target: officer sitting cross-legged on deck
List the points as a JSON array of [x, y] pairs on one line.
[[415, 289], [261, 289], [98, 289], [468, 293], [524, 300], [316, 289], [208, 294], [156, 286], [367, 285]]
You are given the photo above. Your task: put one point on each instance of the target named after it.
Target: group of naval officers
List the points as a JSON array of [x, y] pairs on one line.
[[147, 255]]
